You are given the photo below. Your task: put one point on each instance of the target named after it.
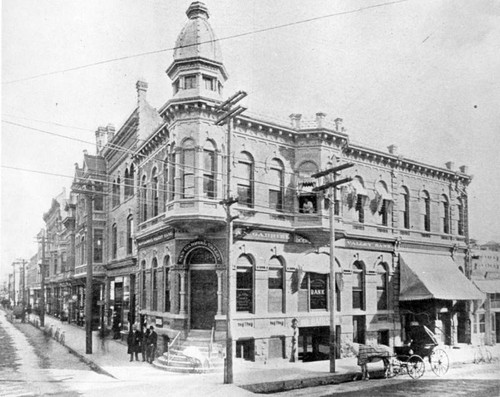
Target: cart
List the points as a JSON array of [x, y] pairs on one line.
[[410, 359]]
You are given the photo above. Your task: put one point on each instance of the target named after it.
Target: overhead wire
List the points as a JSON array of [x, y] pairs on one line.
[[230, 37]]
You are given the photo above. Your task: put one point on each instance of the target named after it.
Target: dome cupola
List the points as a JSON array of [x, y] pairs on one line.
[[197, 68]]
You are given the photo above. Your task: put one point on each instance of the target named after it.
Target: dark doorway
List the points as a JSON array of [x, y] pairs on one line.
[[358, 329], [314, 343], [383, 337], [245, 349], [497, 327], [203, 298], [462, 332]]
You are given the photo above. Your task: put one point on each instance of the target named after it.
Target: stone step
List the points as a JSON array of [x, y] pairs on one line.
[[199, 370]]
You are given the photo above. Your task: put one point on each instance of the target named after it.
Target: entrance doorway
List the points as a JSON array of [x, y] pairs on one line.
[[203, 298], [497, 327], [358, 329]]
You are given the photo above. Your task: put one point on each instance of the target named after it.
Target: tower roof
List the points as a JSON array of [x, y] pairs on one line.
[[197, 39]]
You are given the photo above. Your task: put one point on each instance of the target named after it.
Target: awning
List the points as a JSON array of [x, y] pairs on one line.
[[488, 286], [434, 277]]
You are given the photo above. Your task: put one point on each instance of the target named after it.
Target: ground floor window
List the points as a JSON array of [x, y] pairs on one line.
[[276, 347], [244, 285], [313, 292]]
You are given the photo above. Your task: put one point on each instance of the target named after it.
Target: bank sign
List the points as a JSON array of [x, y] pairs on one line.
[[265, 235], [156, 238], [369, 245]]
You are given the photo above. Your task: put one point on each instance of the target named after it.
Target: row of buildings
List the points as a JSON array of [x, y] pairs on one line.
[[159, 238]]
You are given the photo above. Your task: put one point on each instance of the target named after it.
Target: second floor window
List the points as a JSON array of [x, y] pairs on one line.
[[405, 208], [116, 192], [114, 241], [155, 193], [144, 199], [244, 180], [209, 171], [276, 188], [188, 165], [460, 218], [426, 211], [98, 245], [190, 82], [445, 214], [130, 231], [99, 196]]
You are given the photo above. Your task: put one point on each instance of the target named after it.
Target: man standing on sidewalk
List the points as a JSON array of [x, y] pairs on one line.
[[152, 343]]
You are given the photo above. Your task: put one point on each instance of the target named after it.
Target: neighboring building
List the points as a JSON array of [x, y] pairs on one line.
[[33, 281], [486, 260], [159, 247]]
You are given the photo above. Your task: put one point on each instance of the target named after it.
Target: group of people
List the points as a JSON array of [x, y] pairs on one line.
[[142, 342]]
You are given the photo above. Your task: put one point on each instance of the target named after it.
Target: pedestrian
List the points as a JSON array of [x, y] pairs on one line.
[[116, 326], [144, 345], [134, 344], [152, 344]]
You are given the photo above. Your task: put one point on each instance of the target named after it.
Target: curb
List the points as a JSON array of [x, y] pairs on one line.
[[293, 384]]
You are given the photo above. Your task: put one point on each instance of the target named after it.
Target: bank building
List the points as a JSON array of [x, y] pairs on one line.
[[401, 226]]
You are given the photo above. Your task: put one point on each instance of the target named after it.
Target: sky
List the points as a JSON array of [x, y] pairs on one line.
[[421, 74]]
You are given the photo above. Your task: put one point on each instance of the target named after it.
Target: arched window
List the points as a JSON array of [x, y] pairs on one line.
[[460, 217], [209, 187], [188, 165], [130, 231], [382, 281], [154, 285], [144, 199], [358, 286], [308, 202], [426, 211], [276, 189], [445, 214], [244, 179], [83, 251], [114, 241], [166, 281], [143, 284], [99, 196], [405, 207], [384, 203], [154, 192], [244, 284], [360, 198], [165, 180], [275, 286], [116, 192], [132, 180], [126, 187]]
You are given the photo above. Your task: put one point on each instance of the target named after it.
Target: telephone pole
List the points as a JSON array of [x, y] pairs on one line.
[[42, 284], [227, 118], [331, 209]]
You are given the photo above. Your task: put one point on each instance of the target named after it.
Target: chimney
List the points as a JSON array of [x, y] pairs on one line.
[[85, 152], [142, 89], [100, 138], [338, 124], [320, 117], [450, 165], [110, 131], [295, 120], [393, 149], [464, 169]]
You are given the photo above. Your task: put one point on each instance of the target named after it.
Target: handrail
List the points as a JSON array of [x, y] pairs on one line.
[[171, 345]]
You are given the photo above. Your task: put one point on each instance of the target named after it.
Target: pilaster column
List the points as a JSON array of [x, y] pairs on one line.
[[219, 292], [182, 292]]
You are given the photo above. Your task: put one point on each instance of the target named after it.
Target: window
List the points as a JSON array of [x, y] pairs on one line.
[[210, 83], [360, 197], [460, 218], [358, 286], [165, 179], [83, 251], [445, 214], [116, 192], [495, 301], [176, 86], [405, 208], [166, 280], [114, 241], [244, 284], [99, 196], [188, 165], [244, 177], [313, 292], [275, 286], [277, 185], [144, 200], [154, 285], [384, 201], [339, 281], [132, 179], [360, 208], [426, 211], [98, 245], [209, 170], [143, 284], [129, 182], [381, 287], [154, 192], [482, 325], [171, 175], [190, 82], [130, 231]]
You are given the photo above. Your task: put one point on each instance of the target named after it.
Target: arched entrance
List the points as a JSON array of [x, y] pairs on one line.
[[203, 288]]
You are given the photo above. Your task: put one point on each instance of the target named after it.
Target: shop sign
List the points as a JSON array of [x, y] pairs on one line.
[[244, 300], [318, 291], [157, 238], [265, 235], [159, 322], [369, 245], [197, 244]]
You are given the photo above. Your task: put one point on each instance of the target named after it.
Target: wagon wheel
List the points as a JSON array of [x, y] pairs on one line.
[[439, 362], [415, 366]]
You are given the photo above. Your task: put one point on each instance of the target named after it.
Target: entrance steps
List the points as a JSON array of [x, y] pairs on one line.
[[193, 354]]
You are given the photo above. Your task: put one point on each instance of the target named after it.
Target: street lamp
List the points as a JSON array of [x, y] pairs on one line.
[[227, 117], [331, 187]]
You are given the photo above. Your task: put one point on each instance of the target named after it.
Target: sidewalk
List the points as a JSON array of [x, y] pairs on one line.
[[110, 357]]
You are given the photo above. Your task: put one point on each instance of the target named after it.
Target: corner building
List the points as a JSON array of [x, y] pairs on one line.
[[400, 225]]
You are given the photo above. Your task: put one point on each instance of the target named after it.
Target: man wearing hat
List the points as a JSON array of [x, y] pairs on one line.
[[152, 343]]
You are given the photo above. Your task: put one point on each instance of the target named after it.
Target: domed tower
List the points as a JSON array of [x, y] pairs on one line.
[[197, 69]]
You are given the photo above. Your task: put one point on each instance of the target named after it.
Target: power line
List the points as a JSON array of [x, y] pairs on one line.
[[238, 35]]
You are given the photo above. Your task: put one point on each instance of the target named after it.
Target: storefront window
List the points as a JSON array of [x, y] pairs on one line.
[[244, 284], [381, 287], [313, 292], [358, 286], [154, 285], [166, 279], [275, 286]]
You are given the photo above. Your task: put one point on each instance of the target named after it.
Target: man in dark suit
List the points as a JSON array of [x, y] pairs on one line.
[[152, 343]]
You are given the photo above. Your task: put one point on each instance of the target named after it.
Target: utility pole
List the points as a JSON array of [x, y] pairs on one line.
[[42, 284], [227, 117], [87, 189], [331, 209]]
